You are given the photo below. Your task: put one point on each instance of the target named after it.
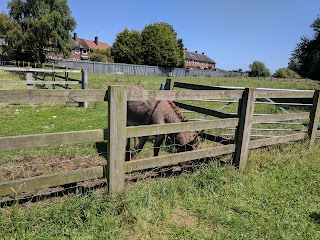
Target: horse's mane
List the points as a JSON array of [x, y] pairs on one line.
[[177, 111]]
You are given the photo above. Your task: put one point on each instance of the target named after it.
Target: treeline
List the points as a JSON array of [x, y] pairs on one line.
[[156, 45], [32, 27]]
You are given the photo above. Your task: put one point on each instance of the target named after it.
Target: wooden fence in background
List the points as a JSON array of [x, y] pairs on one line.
[[117, 132], [33, 78]]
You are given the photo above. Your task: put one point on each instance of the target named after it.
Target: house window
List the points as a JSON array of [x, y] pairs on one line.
[[77, 51], [84, 51]]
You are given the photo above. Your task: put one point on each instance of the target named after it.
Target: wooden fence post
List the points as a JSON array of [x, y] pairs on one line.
[[84, 84], [29, 80], [169, 84], [242, 137], [117, 119], [314, 118], [53, 77]]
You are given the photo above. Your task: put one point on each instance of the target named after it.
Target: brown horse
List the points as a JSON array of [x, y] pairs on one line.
[[159, 112]]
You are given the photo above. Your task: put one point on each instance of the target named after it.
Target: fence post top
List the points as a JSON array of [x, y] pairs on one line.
[[251, 91]]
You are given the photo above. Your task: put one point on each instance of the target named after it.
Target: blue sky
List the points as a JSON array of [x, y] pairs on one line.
[[234, 33]]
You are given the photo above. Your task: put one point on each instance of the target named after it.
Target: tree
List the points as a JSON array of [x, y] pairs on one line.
[[307, 53], [99, 55], [160, 46], [33, 26], [127, 47], [156, 45], [258, 69], [182, 63], [285, 73], [294, 65]]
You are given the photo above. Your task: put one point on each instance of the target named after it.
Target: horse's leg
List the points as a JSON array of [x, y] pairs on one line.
[[157, 143], [139, 146], [128, 152], [136, 142]]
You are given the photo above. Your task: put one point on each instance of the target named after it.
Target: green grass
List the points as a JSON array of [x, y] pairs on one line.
[[276, 197]]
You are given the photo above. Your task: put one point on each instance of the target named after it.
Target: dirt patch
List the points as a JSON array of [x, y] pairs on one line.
[[29, 166], [181, 216]]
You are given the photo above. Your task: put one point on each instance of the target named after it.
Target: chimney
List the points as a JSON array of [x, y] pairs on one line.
[[96, 40], [75, 36]]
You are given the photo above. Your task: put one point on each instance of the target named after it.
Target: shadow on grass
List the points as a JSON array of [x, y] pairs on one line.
[[315, 217]]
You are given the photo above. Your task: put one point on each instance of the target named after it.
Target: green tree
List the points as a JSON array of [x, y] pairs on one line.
[[285, 73], [161, 47], [127, 47], [258, 69], [99, 55], [33, 26], [182, 63], [307, 53], [294, 65]]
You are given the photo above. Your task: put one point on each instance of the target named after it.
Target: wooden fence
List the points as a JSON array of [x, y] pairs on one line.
[[33, 77], [117, 132]]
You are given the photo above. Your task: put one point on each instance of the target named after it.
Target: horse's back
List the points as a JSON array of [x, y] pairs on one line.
[[139, 112], [136, 88]]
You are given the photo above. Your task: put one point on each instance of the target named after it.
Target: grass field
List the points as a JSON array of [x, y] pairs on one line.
[[276, 197]]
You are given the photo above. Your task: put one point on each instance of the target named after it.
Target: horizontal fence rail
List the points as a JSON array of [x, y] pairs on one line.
[[52, 139], [117, 96], [25, 96], [35, 77], [39, 70], [21, 96], [12, 188]]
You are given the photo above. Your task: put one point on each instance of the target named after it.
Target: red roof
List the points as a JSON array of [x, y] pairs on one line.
[[92, 45]]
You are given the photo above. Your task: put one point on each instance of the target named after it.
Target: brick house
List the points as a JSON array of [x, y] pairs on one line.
[[199, 61], [80, 48]]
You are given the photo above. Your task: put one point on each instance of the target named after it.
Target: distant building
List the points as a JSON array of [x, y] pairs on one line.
[[80, 48], [199, 61]]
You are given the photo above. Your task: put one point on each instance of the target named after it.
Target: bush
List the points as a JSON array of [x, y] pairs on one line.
[[285, 73]]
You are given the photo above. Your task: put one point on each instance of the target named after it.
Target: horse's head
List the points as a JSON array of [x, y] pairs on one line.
[[186, 141]]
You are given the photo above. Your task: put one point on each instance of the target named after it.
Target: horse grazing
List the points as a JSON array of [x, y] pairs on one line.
[[159, 112]]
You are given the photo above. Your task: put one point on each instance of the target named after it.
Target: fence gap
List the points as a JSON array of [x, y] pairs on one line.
[[117, 118], [314, 119], [242, 138]]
